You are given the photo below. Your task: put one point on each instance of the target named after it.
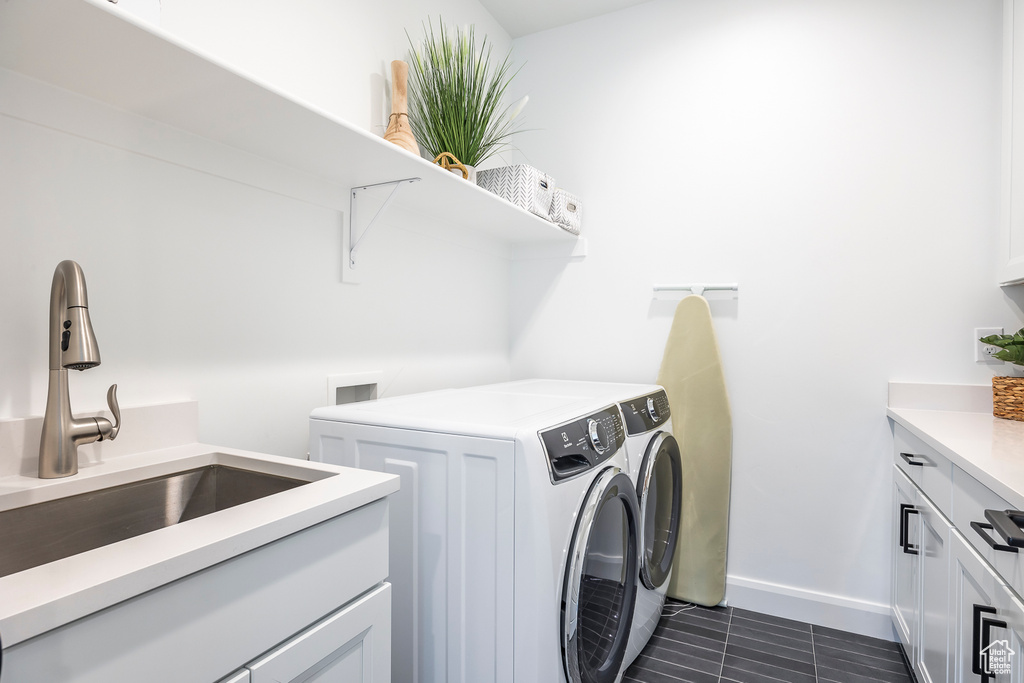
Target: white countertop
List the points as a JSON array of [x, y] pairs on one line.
[[990, 449], [43, 598]]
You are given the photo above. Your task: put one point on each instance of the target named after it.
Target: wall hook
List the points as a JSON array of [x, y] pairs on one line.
[[670, 291]]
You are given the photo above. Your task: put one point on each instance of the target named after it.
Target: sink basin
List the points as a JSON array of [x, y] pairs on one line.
[[44, 532]]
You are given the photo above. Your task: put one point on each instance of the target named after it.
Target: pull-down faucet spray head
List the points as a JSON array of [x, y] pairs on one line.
[[72, 341], [78, 342]]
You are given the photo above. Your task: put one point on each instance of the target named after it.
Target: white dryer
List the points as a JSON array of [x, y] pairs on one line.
[[657, 472], [655, 467], [514, 537]]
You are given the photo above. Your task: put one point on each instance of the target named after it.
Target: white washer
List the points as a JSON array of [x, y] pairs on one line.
[[514, 537], [655, 467], [657, 472]]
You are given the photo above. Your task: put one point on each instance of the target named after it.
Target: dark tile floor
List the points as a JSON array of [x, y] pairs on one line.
[[720, 644]]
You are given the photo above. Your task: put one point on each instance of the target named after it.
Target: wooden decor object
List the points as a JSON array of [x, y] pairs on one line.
[[1008, 397], [399, 131]]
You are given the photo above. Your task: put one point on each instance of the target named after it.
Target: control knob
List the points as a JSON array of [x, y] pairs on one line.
[[598, 436], [652, 410]]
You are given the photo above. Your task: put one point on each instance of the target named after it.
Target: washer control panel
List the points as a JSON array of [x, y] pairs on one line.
[[577, 446], [644, 413]]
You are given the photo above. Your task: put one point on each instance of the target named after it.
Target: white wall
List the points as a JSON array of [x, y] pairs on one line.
[[837, 159], [204, 286], [335, 55]]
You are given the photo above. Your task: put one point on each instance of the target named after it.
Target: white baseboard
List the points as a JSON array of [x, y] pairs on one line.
[[847, 614]]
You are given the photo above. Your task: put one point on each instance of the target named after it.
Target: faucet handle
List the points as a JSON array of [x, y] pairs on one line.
[[112, 404]]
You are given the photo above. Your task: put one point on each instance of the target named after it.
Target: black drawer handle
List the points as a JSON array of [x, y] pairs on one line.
[[905, 512], [909, 458], [982, 641], [1007, 525], [983, 530]]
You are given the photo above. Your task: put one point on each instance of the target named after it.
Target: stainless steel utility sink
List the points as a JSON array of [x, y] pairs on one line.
[[44, 532]]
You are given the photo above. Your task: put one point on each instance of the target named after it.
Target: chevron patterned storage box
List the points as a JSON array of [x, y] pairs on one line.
[[566, 210], [520, 184]]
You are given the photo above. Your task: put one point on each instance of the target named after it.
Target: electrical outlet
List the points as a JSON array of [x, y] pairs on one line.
[[983, 352]]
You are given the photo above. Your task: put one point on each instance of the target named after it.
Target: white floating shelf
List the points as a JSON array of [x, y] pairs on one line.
[[91, 48]]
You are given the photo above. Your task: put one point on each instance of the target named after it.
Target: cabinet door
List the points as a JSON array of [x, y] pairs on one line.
[[353, 645], [932, 662], [987, 621], [1012, 248], [906, 563]]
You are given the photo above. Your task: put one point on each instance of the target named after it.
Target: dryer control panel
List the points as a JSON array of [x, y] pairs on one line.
[[577, 446], [645, 413]]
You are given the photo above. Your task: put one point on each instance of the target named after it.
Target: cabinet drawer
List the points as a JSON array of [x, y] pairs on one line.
[[925, 466], [352, 645], [970, 500]]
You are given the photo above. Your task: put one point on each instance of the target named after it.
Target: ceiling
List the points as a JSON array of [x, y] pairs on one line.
[[522, 17]]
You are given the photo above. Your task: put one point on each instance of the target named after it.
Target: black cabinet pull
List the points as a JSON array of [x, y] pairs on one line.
[[983, 529], [905, 512], [909, 457], [981, 637], [1007, 524], [903, 524]]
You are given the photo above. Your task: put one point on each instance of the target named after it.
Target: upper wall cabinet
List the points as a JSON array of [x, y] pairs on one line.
[[92, 48], [1012, 218]]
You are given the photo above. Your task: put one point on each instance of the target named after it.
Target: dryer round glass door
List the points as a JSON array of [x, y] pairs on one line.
[[599, 589], [659, 489]]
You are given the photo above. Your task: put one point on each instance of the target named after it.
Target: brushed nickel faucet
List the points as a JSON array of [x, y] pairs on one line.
[[72, 345]]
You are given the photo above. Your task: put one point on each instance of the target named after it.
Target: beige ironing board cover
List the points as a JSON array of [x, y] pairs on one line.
[[691, 372]]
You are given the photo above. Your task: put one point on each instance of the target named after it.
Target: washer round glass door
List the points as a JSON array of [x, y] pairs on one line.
[[599, 590], [659, 489]]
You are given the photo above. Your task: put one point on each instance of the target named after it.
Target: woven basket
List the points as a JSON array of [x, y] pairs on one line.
[[1008, 397]]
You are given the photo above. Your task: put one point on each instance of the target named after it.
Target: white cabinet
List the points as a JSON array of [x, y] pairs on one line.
[[451, 555], [1012, 247], [987, 621], [957, 579], [920, 580], [932, 660], [318, 591], [920, 568], [353, 645], [905, 564]]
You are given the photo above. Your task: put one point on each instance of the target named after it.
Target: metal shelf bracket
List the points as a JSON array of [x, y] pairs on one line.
[[353, 240]]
